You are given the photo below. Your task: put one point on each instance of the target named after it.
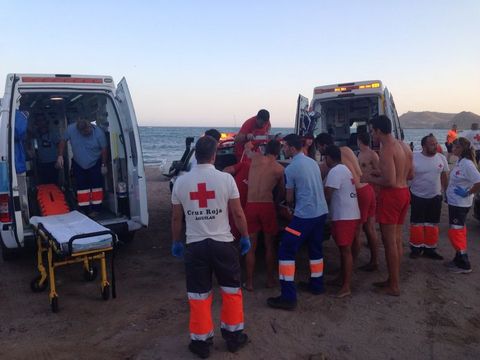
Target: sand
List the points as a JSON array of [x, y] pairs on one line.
[[437, 315]]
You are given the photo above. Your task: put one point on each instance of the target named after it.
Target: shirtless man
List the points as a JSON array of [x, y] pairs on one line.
[[366, 197], [369, 163], [393, 200], [265, 175]]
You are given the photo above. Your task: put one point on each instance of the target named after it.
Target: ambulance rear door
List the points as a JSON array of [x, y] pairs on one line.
[[137, 188], [301, 118]]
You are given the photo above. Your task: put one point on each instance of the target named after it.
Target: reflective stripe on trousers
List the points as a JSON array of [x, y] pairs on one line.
[[83, 197], [458, 237], [424, 235], [316, 268], [232, 309], [201, 325], [97, 196]]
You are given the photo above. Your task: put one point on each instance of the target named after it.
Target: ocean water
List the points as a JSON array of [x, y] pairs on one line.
[[162, 145]]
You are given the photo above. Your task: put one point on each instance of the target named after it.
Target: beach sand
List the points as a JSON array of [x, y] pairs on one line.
[[437, 315]]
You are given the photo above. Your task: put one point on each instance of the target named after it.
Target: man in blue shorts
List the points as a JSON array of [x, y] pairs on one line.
[[304, 185]]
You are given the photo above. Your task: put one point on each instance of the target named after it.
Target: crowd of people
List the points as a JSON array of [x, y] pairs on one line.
[[353, 191]]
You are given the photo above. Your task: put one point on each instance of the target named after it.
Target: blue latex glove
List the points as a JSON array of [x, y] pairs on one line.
[[461, 191], [244, 244], [177, 249]]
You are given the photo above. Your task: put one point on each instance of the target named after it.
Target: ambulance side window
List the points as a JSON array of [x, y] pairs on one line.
[[133, 148]]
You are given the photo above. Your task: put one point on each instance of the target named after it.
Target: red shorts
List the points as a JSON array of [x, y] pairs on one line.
[[261, 217], [366, 202], [343, 231], [392, 205]]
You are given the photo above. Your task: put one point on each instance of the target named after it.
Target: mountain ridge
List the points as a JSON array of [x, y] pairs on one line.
[[438, 120]]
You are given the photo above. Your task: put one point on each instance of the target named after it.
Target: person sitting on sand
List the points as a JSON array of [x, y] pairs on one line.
[[265, 175], [341, 195]]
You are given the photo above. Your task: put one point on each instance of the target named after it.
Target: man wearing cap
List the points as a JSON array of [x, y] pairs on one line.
[[89, 147]]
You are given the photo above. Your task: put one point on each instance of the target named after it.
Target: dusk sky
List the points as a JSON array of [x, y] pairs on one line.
[[216, 63]]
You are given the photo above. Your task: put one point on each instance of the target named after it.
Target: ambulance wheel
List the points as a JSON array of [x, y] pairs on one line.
[[7, 254], [54, 304], [90, 274], [106, 292], [35, 284]]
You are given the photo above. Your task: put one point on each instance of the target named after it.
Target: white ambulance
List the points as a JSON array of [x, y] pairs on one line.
[[59, 100], [345, 109]]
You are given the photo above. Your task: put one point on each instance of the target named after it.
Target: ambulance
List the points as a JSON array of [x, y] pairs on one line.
[[58, 100], [343, 110]]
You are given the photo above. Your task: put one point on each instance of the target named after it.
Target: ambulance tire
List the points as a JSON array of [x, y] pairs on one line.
[[90, 274], [35, 285], [106, 292], [8, 254]]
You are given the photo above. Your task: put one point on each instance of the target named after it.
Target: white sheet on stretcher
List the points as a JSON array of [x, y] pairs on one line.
[[63, 227]]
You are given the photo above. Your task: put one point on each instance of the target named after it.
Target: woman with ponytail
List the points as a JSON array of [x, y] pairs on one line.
[[463, 184]]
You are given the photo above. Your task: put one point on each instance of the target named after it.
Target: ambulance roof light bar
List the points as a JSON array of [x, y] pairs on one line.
[[346, 88]]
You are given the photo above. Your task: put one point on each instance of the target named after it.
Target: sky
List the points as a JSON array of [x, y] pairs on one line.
[[216, 63]]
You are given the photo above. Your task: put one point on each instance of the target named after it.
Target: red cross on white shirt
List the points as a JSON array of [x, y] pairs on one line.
[[202, 195], [477, 137]]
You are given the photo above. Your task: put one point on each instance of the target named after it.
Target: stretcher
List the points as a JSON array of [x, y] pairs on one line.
[[68, 239]]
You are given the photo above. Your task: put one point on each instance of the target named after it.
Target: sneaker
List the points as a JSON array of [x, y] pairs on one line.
[[462, 265], [432, 254], [305, 286], [280, 303], [199, 348], [236, 341], [415, 252]]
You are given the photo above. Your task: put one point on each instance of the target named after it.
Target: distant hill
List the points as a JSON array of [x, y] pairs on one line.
[[437, 120]]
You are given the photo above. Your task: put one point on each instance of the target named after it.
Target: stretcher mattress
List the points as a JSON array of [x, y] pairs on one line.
[[63, 227]]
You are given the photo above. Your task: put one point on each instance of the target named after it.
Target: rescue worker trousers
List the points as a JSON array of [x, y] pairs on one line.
[[296, 233], [424, 218], [89, 186], [202, 259], [457, 233]]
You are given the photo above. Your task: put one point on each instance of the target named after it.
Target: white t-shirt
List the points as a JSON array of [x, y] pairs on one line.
[[465, 175], [474, 137], [343, 204], [203, 193], [427, 169]]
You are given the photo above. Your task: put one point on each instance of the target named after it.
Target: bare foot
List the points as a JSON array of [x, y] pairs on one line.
[[247, 286], [388, 291], [382, 284], [343, 293], [368, 267]]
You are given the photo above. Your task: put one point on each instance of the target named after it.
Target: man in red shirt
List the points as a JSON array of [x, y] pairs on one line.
[[257, 125]]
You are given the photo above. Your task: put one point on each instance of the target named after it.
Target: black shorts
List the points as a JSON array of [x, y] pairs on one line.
[[207, 257], [425, 210], [457, 215], [449, 147]]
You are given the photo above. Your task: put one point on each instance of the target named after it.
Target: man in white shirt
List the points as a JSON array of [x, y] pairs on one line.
[[204, 195], [341, 194], [473, 135], [428, 184]]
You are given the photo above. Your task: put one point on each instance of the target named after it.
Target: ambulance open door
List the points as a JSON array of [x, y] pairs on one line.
[[137, 187], [302, 120]]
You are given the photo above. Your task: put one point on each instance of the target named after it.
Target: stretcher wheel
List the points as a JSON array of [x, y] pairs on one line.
[[35, 284], [54, 304], [106, 292], [90, 274]]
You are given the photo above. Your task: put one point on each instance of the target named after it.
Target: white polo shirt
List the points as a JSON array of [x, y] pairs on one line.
[[427, 169], [465, 175], [344, 203], [203, 193], [474, 137]]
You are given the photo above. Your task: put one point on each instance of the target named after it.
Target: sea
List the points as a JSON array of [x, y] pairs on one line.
[[161, 144]]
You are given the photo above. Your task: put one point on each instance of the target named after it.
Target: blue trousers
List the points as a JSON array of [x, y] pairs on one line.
[[296, 233]]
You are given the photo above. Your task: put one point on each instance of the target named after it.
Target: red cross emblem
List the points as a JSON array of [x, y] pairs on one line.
[[477, 137], [202, 195]]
